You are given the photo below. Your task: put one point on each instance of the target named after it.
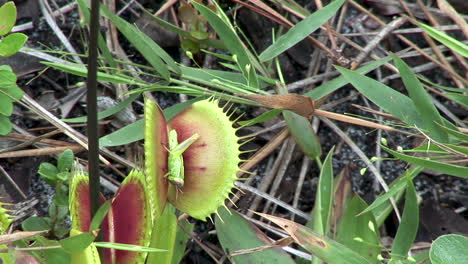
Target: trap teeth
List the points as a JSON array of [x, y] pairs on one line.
[[204, 191]]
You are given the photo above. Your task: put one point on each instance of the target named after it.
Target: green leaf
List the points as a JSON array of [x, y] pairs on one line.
[[422, 101], [6, 106], [226, 32], [185, 34], [65, 161], [48, 255], [78, 243], [48, 171], [89, 255], [35, 223], [301, 30], [459, 98], [303, 133], [235, 233], [460, 135], [125, 135], [324, 197], [181, 239], [9, 89], [359, 232], [268, 115], [151, 51], [12, 44], [134, 132], [80, 70], [5, 125], [442, 87], [446, 168], [322, 247], [408, 228], [232, 78], [113, 110], [449, 249], [61, 195], [390, 100], [445, 39], [100, 215], [164, 237], [101, 41], [338, 82], [7, 17], [396, 186]]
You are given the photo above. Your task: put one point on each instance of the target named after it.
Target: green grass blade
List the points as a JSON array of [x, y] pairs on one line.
[[84, 8], [456, 133], [75, 244], [396, 186], [106, 113], [127, 247], [266, 116], [134, 132], [408, 228], [390, 100], [163, 23], [79, 70], [226, 32], [422, 101], [323, 200], [322, 247], [445, 39], [319, 91], [359, 233], [338, 82], [164, 237], [235, 233], [151, 51], [301, 30], [442, 87], [446, 168], [125, 135], [459, 98], [324, 197]]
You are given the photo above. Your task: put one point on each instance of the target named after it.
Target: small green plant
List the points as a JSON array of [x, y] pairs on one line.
[[58, 177], [9, 45]]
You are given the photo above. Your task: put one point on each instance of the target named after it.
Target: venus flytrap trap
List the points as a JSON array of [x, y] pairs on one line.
[[128, 220], [209, 158], [190, 175]]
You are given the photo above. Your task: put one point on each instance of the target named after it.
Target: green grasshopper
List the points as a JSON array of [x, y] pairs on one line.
[[175, 161]]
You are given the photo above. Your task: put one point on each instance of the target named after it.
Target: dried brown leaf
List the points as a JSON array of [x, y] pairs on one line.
[[300, 104]]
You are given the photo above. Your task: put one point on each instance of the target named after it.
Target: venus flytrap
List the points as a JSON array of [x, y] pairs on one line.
[[208, 167]]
